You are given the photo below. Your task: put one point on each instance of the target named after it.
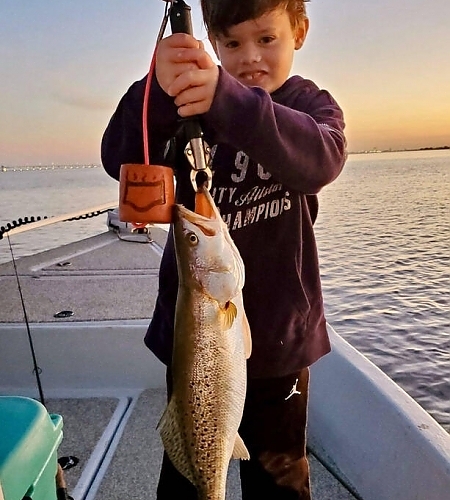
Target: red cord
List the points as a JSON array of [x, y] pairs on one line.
[[145, 108], [139, 225], [146, 104]]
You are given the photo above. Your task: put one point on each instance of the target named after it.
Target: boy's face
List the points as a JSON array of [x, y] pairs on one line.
[[259, 52]]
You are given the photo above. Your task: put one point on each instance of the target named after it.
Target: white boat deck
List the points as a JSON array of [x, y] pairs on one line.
[[129, 468], [110, 424], [76, 277]]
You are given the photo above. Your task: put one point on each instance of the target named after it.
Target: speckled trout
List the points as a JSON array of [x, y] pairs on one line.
[[199, 427]]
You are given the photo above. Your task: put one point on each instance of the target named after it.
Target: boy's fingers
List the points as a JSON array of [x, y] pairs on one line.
[[204, 60], [186, 80], [190, 96], [190, 110], [196, 78], [191, 54], [182, 40], [185, 67], [194, 108]]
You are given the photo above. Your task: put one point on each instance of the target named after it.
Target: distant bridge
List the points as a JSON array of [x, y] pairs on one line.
[[25, 168]]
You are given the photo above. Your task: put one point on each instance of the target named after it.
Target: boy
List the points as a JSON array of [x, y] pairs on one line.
[[276, 141]]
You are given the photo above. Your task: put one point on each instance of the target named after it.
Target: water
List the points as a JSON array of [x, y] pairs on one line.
[[384, 241], [52, 193]]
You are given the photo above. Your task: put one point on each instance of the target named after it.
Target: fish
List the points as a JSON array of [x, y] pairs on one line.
[[212, 342]]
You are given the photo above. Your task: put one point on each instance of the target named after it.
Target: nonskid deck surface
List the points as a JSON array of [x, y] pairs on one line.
[[84, 420], [75, 277], [126, 461]]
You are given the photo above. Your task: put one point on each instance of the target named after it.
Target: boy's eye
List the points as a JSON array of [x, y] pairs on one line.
[[267, 39], [231, 44]]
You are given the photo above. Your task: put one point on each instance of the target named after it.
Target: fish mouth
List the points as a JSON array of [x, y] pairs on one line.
[[208, 220], [205, 213]]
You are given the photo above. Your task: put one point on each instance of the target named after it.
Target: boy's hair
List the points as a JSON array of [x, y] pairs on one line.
[[220, 15]]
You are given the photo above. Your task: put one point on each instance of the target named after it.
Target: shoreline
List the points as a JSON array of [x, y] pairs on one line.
[[440, 148]]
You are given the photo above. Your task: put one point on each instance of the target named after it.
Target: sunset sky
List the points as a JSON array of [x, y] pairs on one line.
[[66, 63]]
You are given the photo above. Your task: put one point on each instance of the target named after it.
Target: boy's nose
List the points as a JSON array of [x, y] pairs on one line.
[[250, 55]]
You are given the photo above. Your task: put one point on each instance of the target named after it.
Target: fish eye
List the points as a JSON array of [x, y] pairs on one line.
[[192, 239]]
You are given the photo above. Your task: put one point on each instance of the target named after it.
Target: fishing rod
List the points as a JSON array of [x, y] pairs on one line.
[[197, 150], [16, 227], [147, 193], [37, 371], [63, 462]]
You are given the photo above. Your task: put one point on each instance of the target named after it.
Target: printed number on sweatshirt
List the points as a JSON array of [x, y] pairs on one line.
[[241, 163]]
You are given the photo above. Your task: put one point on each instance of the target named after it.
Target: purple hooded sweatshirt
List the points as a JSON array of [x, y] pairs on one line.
[[272, 154]]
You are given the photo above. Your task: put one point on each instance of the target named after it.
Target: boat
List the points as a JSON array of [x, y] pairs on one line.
[[88, 305]]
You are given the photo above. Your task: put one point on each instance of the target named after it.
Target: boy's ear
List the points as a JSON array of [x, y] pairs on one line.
[[301, 32]]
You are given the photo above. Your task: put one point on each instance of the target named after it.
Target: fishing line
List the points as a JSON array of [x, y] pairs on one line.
[[64, 462], [145, 107], [36, 368]]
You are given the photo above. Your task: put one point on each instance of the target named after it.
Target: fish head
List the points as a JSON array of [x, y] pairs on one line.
[[207, 257]]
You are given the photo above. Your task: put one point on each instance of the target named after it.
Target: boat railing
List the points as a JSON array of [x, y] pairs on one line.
[[28, 223]]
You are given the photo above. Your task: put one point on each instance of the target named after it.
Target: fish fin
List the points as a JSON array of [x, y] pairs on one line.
[[240, 450], [229, 315], [172, 439], [246, 332], [247, 336]]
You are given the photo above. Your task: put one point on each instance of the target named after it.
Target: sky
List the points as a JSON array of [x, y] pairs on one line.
[[66, 63]]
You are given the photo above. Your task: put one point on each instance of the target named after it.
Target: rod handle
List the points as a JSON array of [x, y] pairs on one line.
[[180, 18]]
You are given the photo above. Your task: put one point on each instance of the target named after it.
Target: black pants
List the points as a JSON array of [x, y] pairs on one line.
[[273, 428]]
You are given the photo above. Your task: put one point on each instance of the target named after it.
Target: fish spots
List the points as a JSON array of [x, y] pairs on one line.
[[209, 359]]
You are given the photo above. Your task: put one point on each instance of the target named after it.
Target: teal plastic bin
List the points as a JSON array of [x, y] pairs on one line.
[[29, 440]]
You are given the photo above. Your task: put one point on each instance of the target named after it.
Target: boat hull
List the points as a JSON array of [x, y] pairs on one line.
[[362, 426]]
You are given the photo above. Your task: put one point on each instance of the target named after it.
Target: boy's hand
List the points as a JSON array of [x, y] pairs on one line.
[[185, 71]]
